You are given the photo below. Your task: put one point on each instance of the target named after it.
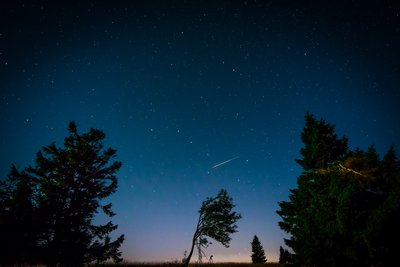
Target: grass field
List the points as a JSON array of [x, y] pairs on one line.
[[174, 264]]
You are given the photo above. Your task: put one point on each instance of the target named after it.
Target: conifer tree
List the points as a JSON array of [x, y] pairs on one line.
[[303, 215], [343, 211], [284, 255], [322, 147], [382, 232], [18, 222], [258, 254], [49, 208]]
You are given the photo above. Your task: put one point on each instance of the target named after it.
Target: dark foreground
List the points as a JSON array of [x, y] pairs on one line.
[[174, 264]]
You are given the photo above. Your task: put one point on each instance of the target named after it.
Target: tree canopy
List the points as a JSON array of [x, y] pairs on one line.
[[217, 220], [343, 211], [47, 210]]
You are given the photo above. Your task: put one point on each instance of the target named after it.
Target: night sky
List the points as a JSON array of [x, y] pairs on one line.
[[181, 86]]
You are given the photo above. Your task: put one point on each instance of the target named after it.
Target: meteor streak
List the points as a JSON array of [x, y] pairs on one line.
[[222, 163]]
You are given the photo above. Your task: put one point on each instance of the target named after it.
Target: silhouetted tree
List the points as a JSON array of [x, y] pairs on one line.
[[284, 256], [216, 220], [59, 197], [382, 233], [345, 202], [18, 225], [258, 255], [321, 144], [302, 214]]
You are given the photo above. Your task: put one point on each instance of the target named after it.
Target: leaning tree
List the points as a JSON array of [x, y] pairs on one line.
[[217, 221]]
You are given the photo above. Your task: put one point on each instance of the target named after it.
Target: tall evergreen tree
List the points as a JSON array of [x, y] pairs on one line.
[[322, 147], [345, 202], [284, 256], [382, 233], [258, 254], [63, 192], [18, 223]]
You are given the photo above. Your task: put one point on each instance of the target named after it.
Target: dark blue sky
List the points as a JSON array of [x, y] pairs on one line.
[[180, 86]]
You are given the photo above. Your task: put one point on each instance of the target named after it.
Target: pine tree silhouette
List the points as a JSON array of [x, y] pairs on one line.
[[258, 255]]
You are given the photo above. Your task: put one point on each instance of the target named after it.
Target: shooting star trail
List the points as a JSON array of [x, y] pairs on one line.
[[222, 163]]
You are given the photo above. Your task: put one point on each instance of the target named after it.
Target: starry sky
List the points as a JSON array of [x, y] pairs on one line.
[[181, 86]]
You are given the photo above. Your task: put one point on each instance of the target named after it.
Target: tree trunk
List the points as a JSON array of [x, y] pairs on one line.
[[195, 236], [191, 250]]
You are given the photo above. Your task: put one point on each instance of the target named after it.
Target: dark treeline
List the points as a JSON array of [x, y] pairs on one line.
[[47, 210], [344, 211]]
